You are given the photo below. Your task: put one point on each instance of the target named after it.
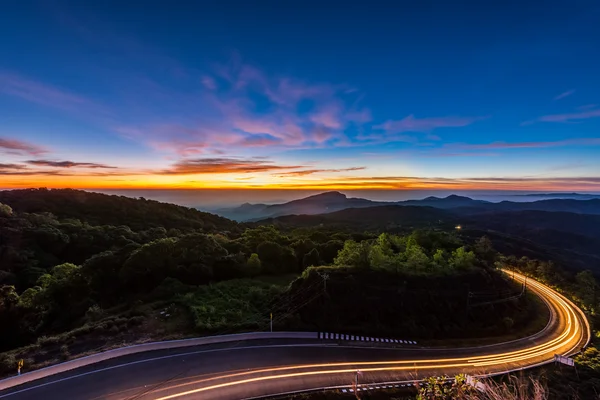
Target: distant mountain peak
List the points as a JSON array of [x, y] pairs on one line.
[[453, 197], [327, 195], [457, 197]]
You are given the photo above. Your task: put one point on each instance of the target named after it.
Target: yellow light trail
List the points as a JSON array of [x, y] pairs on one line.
[[569, 340]]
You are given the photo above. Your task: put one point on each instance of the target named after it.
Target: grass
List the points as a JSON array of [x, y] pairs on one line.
[[231, 306]]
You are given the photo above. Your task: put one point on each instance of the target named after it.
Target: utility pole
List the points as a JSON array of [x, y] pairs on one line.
[[356, 379], [325, 277]]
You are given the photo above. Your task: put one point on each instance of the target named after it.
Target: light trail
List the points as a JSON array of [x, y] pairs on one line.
[[567, 338]]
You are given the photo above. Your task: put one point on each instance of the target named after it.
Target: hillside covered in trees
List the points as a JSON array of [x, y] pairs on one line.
[[571, 239], [83, 271]]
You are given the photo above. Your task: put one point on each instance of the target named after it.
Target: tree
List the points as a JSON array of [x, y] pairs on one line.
[[311, 259], [264, 233], [378, 258], [253, 265], [276, 258], [485, 251], [147, 266], [462, 259], [328, 251], [439, 259], [416, 259], [10, 315], [5, 210], [8, 297], [586, 288], [353, 254], [301, 247], [65, 295], [102, 273]]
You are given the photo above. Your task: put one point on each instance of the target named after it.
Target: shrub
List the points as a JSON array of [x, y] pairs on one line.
[[64, 352], [8, 363], [94, 313]]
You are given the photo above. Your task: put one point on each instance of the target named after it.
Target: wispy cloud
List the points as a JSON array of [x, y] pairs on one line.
[[67, 164], [522, 145], [567, 117], [244, 107], [412, 124], [12, 166], [317, 171], [40, 93], [26, 172], [223, 166], [209, 82], [19, 147], [564, 94]]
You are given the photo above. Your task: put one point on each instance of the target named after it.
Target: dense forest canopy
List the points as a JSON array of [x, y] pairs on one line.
[[102, 209]]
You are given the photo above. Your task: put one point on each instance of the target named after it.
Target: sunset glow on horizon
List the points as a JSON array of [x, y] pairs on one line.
[[116, 102]]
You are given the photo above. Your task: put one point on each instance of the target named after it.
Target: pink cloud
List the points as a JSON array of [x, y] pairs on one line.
[[321, 134], [317, 171], [224, 165], [19, 147], [180, 139], [565, 94], [412, 124], [230, 120], [209, 82], [258, 141], [328, 117], [521, 145]]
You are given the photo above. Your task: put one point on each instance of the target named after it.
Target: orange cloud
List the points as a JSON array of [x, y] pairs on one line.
[[224, 166], [316, 171]]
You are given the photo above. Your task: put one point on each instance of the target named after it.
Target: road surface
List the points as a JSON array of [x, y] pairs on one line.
[[245, 370]]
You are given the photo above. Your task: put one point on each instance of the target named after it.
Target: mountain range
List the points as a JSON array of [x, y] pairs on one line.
[[564, 231], [329, 202]]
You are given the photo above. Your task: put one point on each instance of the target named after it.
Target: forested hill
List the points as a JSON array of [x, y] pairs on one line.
[[103, 209], [379, 218]]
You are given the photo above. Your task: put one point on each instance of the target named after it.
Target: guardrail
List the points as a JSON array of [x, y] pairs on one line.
[[140, 348], [357, 338]]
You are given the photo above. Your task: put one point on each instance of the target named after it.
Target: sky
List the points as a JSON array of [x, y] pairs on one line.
[[315, 95]]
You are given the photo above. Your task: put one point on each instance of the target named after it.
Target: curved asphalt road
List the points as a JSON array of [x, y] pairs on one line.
[[245, 370]]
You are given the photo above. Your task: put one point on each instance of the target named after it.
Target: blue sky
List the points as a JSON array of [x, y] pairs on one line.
[[428, 94]]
